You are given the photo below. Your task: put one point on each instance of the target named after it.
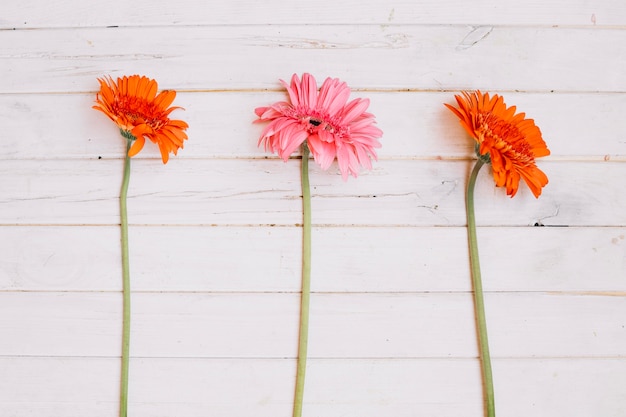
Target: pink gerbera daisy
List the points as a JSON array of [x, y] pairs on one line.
[[332, 127]]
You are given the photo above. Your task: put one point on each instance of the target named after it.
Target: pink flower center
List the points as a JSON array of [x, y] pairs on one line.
[[315, 121]]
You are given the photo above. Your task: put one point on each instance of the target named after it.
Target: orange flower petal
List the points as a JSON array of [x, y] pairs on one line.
[[165, 98], [137, 146], [165, 155], [174, 136]]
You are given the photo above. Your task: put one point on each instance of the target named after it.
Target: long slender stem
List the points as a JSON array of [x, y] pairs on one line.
[[126, 286], [479, 304], [306, 284]]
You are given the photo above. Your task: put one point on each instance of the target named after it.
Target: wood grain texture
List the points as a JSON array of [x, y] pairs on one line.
[[347, 259], [358, 387], [30, 13], [215, 234], [430, 57], [264, 192], [348, 325]]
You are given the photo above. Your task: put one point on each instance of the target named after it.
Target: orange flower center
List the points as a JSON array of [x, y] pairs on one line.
[[139, 111], [504, 137]]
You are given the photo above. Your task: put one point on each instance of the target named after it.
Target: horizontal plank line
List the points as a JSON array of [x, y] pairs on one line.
[[359, 90], [386, 23], [568, 158], [355, 89], [585, 293], [298, 225], [320, 358]]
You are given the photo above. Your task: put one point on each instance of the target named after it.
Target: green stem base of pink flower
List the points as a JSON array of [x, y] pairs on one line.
[[125, 284], [306, 285], [479, 303]]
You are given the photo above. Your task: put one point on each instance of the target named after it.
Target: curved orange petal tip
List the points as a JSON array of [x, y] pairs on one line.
[[136, 146]]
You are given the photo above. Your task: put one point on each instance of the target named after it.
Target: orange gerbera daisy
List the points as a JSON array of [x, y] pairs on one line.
[[511, 141], [133, 104]]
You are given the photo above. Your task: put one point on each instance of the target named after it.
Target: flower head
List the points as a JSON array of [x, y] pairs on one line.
[[332, 126], [511, 141], [133, 104]]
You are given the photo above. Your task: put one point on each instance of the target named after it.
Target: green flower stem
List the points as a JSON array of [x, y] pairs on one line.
[[306, 284], [126, 285], [479, 304]]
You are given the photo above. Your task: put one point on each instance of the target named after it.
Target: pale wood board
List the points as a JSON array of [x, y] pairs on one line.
[[347, 325], [236, 57], [167, 387], [31, 14], [267, 192], [226, 259], [215, 235]]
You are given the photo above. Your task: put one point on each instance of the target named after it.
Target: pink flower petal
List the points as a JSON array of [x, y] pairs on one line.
[[323, 152], [308, 97], [354, 109], [333, 96], [293, 90]]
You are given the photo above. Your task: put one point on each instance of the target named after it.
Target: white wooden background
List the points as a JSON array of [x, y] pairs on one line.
[[215, 236]]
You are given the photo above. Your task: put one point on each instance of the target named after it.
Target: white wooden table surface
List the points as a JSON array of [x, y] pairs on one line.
[[215, 236]]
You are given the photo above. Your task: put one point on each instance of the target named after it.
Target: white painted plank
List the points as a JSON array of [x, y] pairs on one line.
[[415, 125], [31, 14], [75, 387], [215, 305], [345, 259], [399, 57], [257, 192], [206, 325]]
